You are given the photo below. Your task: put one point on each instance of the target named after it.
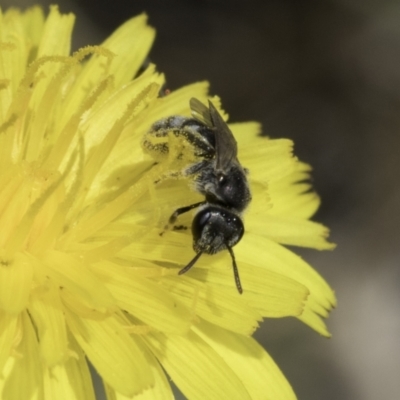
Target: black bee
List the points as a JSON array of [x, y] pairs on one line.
[[217, 175]]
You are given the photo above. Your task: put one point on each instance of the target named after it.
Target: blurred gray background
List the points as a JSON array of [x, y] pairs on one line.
[[327, 75]]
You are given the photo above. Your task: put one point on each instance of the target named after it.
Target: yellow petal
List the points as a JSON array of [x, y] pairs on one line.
[[102, 132], [268, 160], [16, 275], [48, 314], [8, 332], [127, 150], [292, 195], [278, 259], [290, 231], [169, 247], [245, 133], [34, 21], [144, 299], [22, 376], [196, 368], [131, 43], [249, 361], [271, 294], [112, 209], [77, 305], [221, 306], [115, 355], [69, 272], [102, 117], [56, 37], [160, 390], [13, 56], [313, 320], [70, 380], [125, 52], [175, 103]]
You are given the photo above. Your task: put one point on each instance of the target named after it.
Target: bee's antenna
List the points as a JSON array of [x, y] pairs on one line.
[[235, 271], [190, 265]]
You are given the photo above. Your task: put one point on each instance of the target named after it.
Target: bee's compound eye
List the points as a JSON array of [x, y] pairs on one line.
[[200, 221]]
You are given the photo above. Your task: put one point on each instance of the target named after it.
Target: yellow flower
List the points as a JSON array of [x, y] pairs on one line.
[[84, 272]]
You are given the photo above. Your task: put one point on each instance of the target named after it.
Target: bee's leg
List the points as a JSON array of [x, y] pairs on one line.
[[177, 213], [195, 168], [156, 143], [160, 150], [168, 175], [182, 210], [202, 148]]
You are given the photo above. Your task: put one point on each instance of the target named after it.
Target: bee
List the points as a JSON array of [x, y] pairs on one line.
[[217, 174]]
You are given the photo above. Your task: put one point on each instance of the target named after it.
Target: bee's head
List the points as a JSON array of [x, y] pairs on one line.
[[215, 229]]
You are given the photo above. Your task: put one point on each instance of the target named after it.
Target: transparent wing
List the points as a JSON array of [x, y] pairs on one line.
[[225, 143], [200, 112]]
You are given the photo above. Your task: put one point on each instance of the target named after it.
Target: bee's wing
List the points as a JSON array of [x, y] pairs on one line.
[[225, 143], [200, 112]]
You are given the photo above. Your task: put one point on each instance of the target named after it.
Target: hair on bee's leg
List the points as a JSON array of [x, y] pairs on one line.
[[190, 265], [235, 271]]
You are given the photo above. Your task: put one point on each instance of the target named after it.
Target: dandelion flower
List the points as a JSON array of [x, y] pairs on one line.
[[85, 275]]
